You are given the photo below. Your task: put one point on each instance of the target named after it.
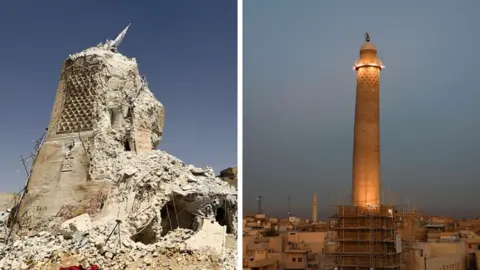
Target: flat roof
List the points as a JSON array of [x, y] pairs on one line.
[[297, 250]]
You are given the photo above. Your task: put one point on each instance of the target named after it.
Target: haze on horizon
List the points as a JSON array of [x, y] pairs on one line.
[[299, 102]]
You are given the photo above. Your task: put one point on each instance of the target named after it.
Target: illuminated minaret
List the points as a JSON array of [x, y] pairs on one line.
[[366, 142], [314, 208]]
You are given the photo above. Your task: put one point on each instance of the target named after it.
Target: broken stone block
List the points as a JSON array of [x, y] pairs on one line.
[[129, 171], [80, 223], [210, 235]]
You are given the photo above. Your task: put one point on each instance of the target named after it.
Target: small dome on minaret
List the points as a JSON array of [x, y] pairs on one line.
[[367, 46]]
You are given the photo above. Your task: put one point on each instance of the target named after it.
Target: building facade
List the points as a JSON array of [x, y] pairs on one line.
[[229, 175]]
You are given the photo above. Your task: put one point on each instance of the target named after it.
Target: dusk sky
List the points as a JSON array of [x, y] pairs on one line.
[[299, 102], [187, 50]]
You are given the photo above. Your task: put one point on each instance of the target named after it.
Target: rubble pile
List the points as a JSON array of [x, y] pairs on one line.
[[171, 216], [159, 213], [48, 251], [3, 226]]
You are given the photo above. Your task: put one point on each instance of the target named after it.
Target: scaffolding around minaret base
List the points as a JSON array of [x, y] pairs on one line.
[[366, 238]]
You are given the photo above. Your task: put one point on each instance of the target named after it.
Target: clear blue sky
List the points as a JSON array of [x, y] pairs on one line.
[[299, 101], [187, 50]]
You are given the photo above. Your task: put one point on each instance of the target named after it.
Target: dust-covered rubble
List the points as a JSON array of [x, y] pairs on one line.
[[159, 208], [173, 221], [47, 251]]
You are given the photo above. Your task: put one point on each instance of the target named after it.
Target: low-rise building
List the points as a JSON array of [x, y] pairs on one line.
[[472, 245], [257, 257], [295, 259], [440, 255], [229, 175]]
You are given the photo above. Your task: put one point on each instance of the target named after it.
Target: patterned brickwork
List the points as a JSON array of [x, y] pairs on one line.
[[366, 146], [367, 100], [368, 78], [77, 114]]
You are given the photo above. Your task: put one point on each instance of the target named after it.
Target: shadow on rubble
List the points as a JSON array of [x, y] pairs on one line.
[[183, 212], [187, 212]]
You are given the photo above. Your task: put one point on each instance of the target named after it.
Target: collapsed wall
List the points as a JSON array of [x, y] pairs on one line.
[[98, 158]]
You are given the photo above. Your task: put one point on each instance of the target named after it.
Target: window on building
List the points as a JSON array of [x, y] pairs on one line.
[[300, 259], [294, 259], [251, 259]]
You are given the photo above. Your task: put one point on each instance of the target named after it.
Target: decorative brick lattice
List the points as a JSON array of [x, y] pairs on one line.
[[77, 113], [368, 79], [368, 96]]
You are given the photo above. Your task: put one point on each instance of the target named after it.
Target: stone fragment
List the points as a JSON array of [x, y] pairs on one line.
[[108, 255], [130, 171], [80, 223]]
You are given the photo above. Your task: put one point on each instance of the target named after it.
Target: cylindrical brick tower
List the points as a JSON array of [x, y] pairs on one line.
[[366, 142]]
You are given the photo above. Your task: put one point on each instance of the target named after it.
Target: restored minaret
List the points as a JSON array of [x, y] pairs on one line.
[[366, 230], [366, 142], [314, 208]]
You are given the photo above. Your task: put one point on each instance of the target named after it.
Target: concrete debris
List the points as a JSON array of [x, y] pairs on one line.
[[159, 213], [211, 232], [48, 251], [77, 224]]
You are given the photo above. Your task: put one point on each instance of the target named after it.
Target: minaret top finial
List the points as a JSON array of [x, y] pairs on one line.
[[367, 37], [113, 44]]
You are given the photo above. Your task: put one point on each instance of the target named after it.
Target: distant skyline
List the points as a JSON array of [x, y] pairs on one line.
[[299, 102], [187, 49]]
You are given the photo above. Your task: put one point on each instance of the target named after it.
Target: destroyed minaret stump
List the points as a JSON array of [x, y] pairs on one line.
[[98, 175], [366, 142], [103, 107]]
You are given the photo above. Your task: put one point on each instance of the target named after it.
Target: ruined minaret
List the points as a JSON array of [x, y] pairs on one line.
[[366, 142], [103, 109], [314, 208]]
